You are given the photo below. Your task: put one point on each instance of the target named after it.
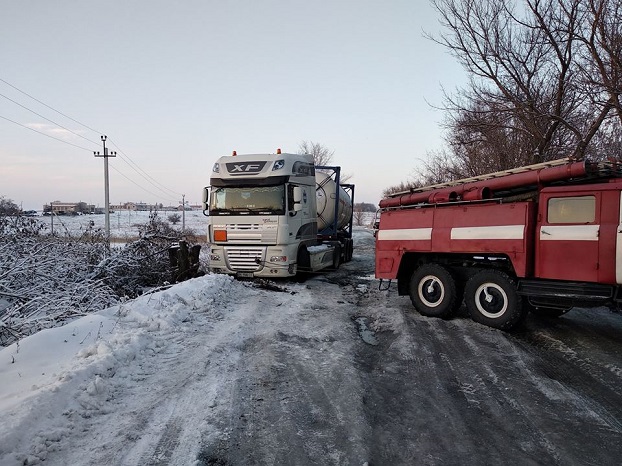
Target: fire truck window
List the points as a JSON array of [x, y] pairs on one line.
[[572, 209]]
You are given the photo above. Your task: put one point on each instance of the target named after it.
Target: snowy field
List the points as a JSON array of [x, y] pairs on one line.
[[123, 224]]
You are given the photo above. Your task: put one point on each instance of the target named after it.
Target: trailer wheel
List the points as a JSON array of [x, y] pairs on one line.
[[492, 299], [433, 291]]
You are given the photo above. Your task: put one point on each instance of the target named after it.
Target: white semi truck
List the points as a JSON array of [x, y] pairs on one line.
[[274, 215]]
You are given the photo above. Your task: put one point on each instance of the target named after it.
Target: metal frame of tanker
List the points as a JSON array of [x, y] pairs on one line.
[[332, 232]]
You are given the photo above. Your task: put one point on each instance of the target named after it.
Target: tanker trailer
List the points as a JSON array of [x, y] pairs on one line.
[[334, 202]]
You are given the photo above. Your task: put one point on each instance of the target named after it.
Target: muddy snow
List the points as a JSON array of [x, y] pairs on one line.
[[216, 371]]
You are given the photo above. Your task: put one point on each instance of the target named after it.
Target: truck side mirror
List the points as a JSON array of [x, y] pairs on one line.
[[297, 198], [205, 200], [297, 194]]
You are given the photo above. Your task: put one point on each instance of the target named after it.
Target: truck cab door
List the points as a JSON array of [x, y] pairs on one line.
[[567, 236], [299, 215]]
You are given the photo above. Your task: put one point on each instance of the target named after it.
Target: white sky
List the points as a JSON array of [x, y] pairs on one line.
[[175, 85]]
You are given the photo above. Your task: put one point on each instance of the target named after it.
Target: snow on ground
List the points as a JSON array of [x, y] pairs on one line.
[[214, 371], [55, 380], [156, 380]]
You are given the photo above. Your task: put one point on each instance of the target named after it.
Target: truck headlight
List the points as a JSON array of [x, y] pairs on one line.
[[278, 259]]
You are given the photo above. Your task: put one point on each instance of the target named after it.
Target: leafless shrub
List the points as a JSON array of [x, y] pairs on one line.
[[47, 280]]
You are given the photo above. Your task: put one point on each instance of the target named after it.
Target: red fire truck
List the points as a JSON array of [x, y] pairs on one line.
[[542, 238]]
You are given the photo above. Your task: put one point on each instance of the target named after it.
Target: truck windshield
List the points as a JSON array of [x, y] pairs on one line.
[[248, 200]]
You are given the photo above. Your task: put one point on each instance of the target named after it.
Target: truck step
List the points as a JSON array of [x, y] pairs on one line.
[[573, 290]]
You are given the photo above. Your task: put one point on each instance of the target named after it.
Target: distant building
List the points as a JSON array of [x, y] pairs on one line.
[[144, 207], [68, 208], [136, 206]]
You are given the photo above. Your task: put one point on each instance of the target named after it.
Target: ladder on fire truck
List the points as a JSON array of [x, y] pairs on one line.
[[596, 170]]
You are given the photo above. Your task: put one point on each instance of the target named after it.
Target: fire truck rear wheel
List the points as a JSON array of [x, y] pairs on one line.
[[492, 299], [432, 291]]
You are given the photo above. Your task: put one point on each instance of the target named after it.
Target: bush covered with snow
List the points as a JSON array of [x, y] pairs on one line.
[[47, 280]]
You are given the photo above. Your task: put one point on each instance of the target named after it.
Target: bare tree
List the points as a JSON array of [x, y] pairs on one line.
[[399, 188], [322, 155], [532, 95], [601, 63], [8, 207], [545, 78]]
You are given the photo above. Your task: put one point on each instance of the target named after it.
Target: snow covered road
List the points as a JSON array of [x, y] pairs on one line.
[[215, 371], [188, 376]]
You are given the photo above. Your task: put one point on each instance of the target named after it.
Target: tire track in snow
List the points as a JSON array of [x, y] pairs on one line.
[[296, 399]]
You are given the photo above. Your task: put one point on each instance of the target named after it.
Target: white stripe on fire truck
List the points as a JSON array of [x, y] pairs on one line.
[[493, 232], [569, 233], [405, 234]]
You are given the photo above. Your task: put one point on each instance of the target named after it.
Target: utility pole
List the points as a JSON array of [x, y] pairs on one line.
[[106, 184], [183, 213]]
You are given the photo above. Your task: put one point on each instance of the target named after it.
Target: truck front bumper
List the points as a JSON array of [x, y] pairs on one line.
[[251, 261]]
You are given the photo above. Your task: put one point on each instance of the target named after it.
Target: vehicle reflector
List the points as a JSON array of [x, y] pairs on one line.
[[220, 235]]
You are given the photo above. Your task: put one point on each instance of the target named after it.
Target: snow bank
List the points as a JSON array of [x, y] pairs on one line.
[[64, 372]]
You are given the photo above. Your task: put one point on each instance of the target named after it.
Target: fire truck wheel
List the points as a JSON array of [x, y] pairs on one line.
[[492, 300], [433, 291]]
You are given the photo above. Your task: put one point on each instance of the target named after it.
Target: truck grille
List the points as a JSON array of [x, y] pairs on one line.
[[250, 233], [245, 259]]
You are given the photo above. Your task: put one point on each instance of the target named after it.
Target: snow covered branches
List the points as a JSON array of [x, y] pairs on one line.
[[47, 280]]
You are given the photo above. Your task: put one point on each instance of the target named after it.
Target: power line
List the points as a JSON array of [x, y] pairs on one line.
[[51, 108], [47, 119], [141, 187], [129, 161], [49, 136], [143, 173]]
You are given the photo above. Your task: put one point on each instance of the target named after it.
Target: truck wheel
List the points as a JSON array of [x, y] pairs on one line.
[[349, 250], [336, 257], [433, 291], [303, 263], [492, 300]]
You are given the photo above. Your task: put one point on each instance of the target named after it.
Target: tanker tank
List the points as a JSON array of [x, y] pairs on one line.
[[326, 192]]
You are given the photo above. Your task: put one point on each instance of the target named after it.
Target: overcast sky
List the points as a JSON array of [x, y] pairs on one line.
[[176, 84]]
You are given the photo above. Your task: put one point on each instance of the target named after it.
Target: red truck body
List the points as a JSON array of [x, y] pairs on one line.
[[542, 238]]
